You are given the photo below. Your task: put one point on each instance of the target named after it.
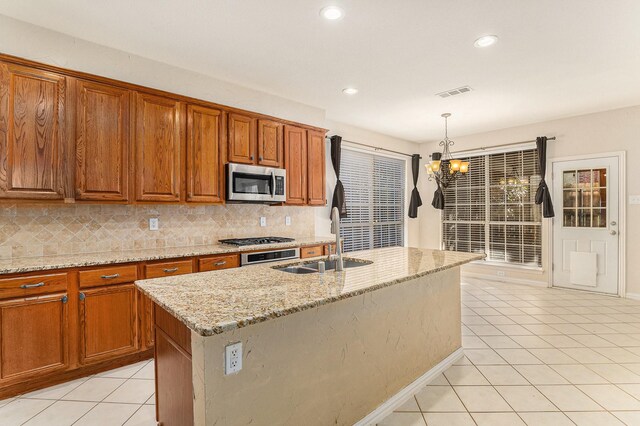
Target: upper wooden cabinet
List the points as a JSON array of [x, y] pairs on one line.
[[158, 148], [242, 139], [32, 124], [295, 162], [270, 143], [205, 166], [316, 169], [102, 142]]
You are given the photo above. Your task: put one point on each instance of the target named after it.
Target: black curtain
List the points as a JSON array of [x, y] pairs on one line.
[[338, 193], [438, 198], [416, 201], [542, 194]]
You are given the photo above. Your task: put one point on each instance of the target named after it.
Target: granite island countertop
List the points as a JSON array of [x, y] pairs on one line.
[[45, 263], [214, 302]]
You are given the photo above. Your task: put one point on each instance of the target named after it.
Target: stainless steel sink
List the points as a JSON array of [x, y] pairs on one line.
[[312, 267]]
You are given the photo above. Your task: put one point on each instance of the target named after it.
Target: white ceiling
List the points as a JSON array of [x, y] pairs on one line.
[[555, 58]]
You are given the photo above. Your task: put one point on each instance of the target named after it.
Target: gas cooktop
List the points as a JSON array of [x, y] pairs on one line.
[[255, 241]]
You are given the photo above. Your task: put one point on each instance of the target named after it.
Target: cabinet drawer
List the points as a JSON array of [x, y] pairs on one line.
[[167, 269], [32, 286], [311, 251], [215, 263], [108, 276]]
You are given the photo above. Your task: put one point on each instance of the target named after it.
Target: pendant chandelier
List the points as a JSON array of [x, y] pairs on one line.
[[443, 168]]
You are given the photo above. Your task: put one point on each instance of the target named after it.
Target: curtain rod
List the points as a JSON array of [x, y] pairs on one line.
[[374, 147], [482, 148]]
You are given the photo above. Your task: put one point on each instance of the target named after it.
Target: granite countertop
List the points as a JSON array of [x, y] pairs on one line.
[[44, 263], [214, 302]]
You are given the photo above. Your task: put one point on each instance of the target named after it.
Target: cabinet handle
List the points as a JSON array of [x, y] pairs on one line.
[[110, 277], [82, 297], [171, 270], [222, 262], [26, 286], [311, 252], [260, 158], [252, 158], [64, 299]]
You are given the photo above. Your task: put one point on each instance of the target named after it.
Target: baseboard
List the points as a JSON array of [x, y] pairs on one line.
[[508, 280], [632, 296], [407, 392]]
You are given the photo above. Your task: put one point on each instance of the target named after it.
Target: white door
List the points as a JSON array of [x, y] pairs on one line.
[[585, 229]]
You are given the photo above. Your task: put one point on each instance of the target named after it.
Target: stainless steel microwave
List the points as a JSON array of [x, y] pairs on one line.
[[256, 184]]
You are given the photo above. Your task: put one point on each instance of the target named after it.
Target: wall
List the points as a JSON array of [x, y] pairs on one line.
[[323, 224], [608, 131]]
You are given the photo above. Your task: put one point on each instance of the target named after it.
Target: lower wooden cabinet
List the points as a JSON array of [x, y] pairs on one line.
[[33, 336], [108, 323]]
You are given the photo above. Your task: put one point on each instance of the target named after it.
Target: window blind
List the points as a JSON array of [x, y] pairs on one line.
[[374, 187], [491, 209]]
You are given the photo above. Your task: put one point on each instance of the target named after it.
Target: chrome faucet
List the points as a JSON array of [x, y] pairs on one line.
[[335, 229]]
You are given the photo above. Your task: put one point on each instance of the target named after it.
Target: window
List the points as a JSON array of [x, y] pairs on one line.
[[491, 209], [584, 201], [374, 188]]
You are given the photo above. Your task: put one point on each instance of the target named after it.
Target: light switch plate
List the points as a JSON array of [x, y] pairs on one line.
[[287, 220], [634, 199], [154, 224], [263, 221]]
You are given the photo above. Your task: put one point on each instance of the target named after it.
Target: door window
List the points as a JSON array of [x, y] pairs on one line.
[[584, 201]]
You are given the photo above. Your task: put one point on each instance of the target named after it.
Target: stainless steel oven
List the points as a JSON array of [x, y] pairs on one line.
[[256, 184]]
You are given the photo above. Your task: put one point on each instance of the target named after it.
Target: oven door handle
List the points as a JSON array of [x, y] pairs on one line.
[[273, 184]]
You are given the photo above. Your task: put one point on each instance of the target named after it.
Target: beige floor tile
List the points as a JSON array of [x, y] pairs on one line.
[[486, 312], [502, 375], [125, 372], [485, 330], [409, 406], [562, 341], [546, 419], [20, 410], [484, 357], [448, 419], [501, 342], [403, 419], [463, 361], [570, 329], [146, 372], [615, 373], [473, 342], [61, 413], [630, 418], [133, 391], [542, 330], [440, 380], [481, 399], [578, 374], [631, 389], [623, 340], [611, 397], [591, 340], [531, 342], [619, 355], [6, 401], [497, 419], [569, 398], [146, 416], [541, 375], [466, 331], [439, 399], [465, 375], [151, 400], [514, 330], [105, 414], [55, 392], [594, 419], [586, 355], [599, 328], [499, 320], [552, 356], [473, 320], [525, 398], [95, 389], [518, 356]]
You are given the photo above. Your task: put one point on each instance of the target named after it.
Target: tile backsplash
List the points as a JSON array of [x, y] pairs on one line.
[[38, 230]]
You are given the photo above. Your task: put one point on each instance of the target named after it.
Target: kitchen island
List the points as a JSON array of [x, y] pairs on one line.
[[316, 348]]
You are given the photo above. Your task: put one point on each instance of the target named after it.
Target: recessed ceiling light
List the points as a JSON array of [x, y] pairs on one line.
[[349, 90], [486, 41], [331, 12]]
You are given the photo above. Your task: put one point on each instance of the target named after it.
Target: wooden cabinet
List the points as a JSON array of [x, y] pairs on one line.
[[32, 129], [270, 144], [242, 139], [108, 323], [215, 263], [316, 169], [102, 142], [158, 148], [167, 269], [295, 162], [33, 336], [205, 167], [312, 251]]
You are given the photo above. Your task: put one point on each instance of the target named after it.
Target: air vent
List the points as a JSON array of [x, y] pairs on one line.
[[453, 92]]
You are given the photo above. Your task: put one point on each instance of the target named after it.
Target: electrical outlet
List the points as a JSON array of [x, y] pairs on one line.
[[263, 221], [154, 224], [287, 220], [233, 358], [500, 273], [634, 199]]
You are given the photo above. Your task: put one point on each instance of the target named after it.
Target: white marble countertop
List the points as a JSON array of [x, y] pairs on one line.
[[214, 302], [45, 263]]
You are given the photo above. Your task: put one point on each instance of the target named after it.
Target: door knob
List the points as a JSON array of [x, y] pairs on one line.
[[613, 233], [614, 223]]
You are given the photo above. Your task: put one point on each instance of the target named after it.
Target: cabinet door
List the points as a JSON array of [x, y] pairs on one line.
[[31, 133], [108, 323], [102, 142], [316, 169], [158, 148], [33, 336], [242, 139], [146, 321], [205, 171], [295, 162], [269, 143]]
